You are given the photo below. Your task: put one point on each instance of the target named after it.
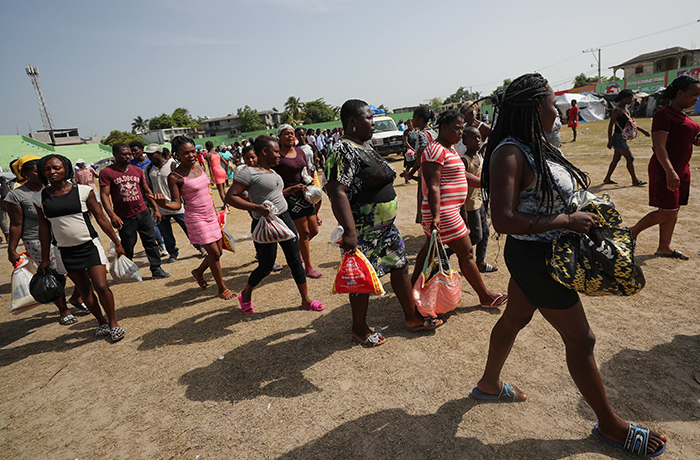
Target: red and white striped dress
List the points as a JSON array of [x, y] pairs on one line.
[[453, 193]]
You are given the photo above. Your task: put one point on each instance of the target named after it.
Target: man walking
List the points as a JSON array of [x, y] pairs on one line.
[[122, 188]]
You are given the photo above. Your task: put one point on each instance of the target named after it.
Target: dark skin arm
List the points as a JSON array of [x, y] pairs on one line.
[[105, 197], [148, 195], [175, 183], [235, 198], [14, 211], [613, 119], [510, 174], [473, 181], [338, 193], [658, 139], [432, 173], [293, 189]]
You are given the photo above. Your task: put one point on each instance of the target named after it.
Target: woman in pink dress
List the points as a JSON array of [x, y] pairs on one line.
[[202, 224], [218, 173]]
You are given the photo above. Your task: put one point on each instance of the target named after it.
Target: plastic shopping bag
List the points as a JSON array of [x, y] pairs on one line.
[[356, 276], [438, 289], [313, 194], [123, 270], [21, 277], [227, 241], [270, 228], [47, 286]]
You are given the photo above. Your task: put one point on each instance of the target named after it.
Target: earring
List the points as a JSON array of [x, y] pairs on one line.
[[354, 128]]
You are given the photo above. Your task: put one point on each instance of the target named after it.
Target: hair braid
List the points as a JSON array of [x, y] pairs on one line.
[[519, 117]]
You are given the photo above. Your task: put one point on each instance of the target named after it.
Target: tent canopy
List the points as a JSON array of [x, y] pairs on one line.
[[592, 108]]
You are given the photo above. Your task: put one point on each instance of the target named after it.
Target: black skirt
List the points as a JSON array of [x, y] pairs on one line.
[[83, 256]]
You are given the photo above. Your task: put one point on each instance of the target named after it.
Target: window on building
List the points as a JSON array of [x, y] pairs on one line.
[[684, 61], [639, 69]]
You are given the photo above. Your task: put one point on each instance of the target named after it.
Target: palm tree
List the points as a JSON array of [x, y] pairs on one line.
[[139, 125], [293, 106]]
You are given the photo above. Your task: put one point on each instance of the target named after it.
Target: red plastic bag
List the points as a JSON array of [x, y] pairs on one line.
[[439, 288], [356, 276]]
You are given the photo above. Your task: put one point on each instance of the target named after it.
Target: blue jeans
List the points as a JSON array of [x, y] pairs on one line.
[[166, 229]]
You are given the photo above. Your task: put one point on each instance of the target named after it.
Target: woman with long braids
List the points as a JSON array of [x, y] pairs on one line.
[[529, 183], [361, 189], [673, 134], [446, 190], [63, 209], [618, 120], [191, 182]]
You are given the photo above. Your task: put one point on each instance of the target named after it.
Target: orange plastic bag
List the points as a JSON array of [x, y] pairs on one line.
[[356, 276], [439, 288], [227, 241]]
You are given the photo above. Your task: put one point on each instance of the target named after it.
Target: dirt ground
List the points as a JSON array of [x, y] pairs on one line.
[[196, 379]]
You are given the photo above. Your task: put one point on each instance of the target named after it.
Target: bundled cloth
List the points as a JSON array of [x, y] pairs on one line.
[[602, 261], [270, 228], [438, 289]]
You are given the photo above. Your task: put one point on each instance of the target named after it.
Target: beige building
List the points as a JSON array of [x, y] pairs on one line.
[[231, 124], [658, 61]]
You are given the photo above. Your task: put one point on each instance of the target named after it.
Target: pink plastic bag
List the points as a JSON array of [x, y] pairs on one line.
[[439, 288]]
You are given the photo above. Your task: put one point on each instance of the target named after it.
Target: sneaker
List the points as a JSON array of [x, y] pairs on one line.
[[202, 252], [171, 259], [159, 273], [163, 251]]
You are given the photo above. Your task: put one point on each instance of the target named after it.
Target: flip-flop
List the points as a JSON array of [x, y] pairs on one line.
[[676, 254], [639, 183], [227, 295], [201, 281], [610, 182], [315, 306], [311, 272], [116, 334], [488, 268], [499, 301], [67, 320], [81, 307], [637, 441], [102, 331], [246, 307], [507, 394], [375, 339], [429, 323]]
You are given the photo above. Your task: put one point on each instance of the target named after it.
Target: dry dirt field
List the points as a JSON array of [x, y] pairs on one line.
[[196, 379]]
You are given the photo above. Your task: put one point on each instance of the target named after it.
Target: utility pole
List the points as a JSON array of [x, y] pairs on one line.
[[33, 73], [592, 51]]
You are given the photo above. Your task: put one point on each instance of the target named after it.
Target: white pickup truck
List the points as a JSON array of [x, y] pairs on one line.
[[387, 138]]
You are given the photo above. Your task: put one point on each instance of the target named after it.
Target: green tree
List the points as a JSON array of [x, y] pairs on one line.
[[434, 103], [582, 80], [250, 120], [120, 136], [384, 108], [319, 112], [462, 95], [139, 124], [293, 107], [505, 84], [181, 117], [163, 121]]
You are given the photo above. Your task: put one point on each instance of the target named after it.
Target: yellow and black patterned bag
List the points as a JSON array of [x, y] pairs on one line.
[[602, 261]]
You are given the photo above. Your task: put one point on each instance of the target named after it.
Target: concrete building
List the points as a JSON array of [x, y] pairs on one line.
[[231, 125], [658, 61], [68, 136], [162, 136]]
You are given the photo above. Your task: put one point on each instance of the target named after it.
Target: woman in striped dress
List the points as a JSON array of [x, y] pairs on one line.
[[445, 191], [190, 181]]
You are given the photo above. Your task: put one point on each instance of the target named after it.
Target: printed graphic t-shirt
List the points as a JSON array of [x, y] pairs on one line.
[[125, 188]]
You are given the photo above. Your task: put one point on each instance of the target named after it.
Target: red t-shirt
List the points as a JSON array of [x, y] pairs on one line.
[[125, 190], [681, 130]]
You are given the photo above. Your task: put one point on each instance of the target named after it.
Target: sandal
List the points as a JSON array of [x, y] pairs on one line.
[[116, 334], [311, 272], [319, 222], [375, 339], [488, 268], [81, 307], [67, 320], [429, 323], [102, 331], [610, 182], [246, 307], [315, 306], [201, 281], [639, 183], [507, 394], [676, 254], [499, 301], [636, 442], [226, 295]]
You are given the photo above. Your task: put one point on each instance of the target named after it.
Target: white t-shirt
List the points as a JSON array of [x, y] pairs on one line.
[[158, 178]]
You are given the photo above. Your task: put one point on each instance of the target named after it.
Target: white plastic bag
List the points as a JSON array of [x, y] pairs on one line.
[[313, 194], [124, 270], [337, 236], [306, 177], [270, 228], [21, 277]]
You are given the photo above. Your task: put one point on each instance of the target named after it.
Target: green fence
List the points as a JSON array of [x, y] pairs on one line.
[[38, 144]]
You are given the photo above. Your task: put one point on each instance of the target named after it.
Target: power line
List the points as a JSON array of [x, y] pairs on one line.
[[651, 34]]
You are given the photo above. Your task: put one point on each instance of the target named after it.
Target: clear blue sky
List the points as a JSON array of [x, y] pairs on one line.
[[103, 63]]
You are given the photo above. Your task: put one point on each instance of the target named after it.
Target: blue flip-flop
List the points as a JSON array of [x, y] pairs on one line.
[[637, 441], [507, 394]]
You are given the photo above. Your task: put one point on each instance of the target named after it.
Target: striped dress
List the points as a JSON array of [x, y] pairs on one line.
[[453, 193], [200, 216]]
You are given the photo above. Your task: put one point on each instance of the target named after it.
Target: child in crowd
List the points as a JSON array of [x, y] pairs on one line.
[[474, 211]]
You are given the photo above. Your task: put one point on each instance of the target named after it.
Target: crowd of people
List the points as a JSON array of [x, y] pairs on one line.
[[467, 170]]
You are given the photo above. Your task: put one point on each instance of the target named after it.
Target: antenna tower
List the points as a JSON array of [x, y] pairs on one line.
[[33, 73]]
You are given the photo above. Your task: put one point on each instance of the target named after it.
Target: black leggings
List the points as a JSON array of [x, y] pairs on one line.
[[267, 253]]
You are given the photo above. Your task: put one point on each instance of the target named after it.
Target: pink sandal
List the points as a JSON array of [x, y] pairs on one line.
[[311, 272], [247, 307], [315, 306]]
